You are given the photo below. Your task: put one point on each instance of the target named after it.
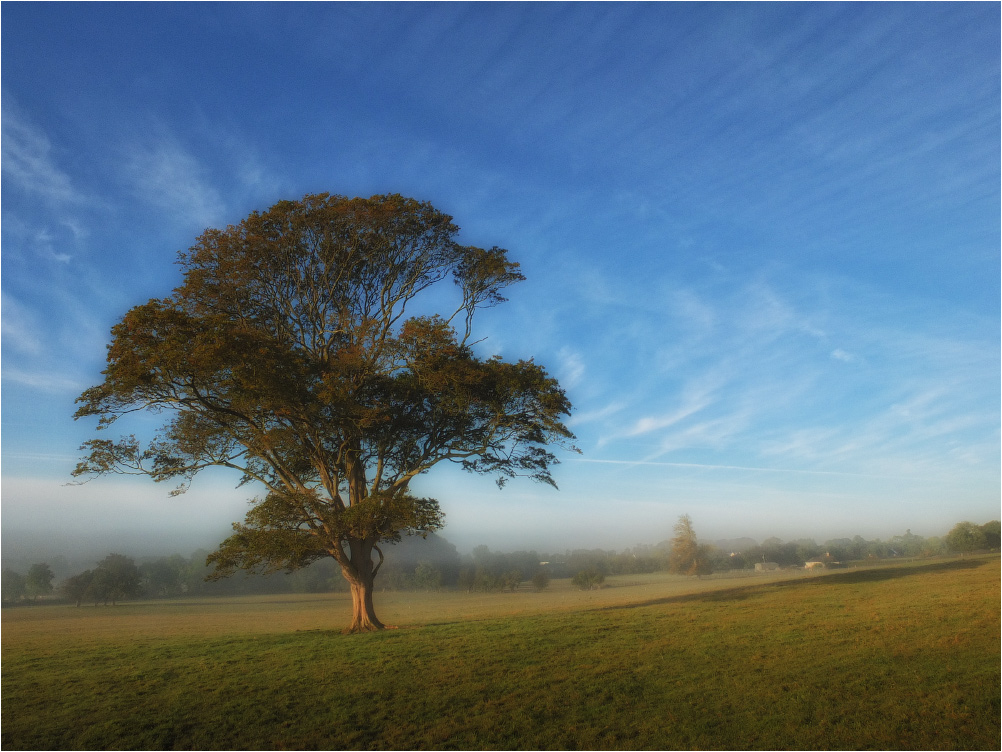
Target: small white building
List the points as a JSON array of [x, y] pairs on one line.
[[814, 565]]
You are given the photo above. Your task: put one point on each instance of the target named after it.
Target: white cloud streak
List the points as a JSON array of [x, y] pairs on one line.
[[572, 367], [27, 159], [19, 326], [692, 404], [756, 371], [742, 468], [165, 175], [581, 418], [42, 381]]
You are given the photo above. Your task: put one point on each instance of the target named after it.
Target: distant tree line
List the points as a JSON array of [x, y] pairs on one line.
[[17, 587], [115, 578], [414, 563], [965, 537], [434, 563]]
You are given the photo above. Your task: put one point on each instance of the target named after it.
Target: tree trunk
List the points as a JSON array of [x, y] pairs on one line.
[[361, 575], [363, 616]]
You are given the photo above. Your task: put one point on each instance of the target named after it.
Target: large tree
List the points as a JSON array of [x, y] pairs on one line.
[[288, 354]]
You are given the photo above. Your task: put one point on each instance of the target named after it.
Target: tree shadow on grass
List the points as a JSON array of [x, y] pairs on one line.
[[856, 576]]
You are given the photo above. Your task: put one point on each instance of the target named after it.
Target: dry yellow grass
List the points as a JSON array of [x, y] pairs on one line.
[[261, 614], [903, 657]]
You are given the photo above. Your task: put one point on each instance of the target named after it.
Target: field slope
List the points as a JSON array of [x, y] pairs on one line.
[[899, 657]]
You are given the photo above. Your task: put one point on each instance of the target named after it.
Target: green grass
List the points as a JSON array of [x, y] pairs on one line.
[[903, 657]]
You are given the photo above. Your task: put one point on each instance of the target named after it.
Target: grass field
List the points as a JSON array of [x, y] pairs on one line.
[[896, 657]]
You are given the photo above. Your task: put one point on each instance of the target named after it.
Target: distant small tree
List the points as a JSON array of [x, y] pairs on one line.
[[13, 585], [164, 577], [588, 579], [39, 580], [75, 588], [735, 560], [467, 579], [838, 549], [993, 533], [512, 579], [541, 580], [806, 549], [486, 581], [687, 556], [908, 544], [116, 578], [932, 546], [427, 576], [966, 537]]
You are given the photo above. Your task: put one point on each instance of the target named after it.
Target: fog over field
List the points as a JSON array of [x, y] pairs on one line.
[[760, 245], [146, 530]]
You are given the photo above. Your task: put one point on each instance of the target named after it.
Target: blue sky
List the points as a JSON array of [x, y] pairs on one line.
[[761, 240]]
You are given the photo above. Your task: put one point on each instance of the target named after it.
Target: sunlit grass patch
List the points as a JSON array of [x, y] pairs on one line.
[[904, 659]]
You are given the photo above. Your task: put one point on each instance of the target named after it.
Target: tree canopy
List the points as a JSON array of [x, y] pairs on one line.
[[288, 354]]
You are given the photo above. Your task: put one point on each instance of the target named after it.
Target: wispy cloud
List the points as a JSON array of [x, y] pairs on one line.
[[19, 325], [757, 371], [45, 219], [572, 367], [42, 381], [166, 175], [723, 468], [910, 406], [580, 418], [44, 244], [53, 341], [28, 161], [714, 433], [691, 309], [694, 401], [40, 457]]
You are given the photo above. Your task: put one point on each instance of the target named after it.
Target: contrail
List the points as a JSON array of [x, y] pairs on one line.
[[40, 456], [731, 467]]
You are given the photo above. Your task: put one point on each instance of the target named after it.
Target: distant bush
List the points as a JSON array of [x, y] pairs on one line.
[[14, 586], [588, 579], [966, 537], [427, 576], [541, 580], [512, 579]]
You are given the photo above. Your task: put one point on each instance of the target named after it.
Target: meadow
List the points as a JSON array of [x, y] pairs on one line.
[[903, 656]]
